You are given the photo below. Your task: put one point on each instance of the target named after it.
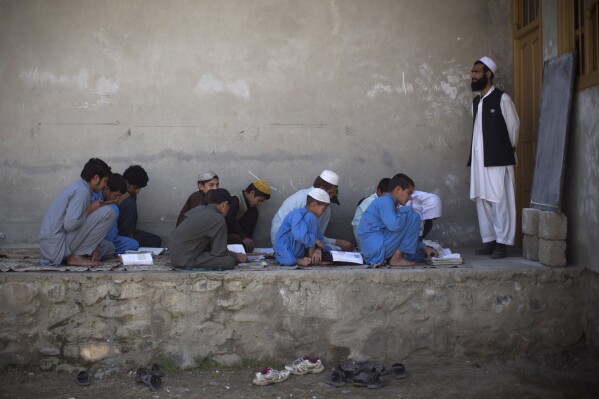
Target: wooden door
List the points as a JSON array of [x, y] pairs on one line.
[[528, 68]]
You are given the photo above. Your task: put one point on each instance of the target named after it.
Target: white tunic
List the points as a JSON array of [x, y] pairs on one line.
[[488, 182]]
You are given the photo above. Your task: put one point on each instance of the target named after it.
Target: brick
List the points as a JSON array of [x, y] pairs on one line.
[[552, 252], [530, 247], [530, 221], [553, 226]]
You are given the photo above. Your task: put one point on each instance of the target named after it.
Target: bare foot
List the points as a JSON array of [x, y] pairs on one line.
[[79, 260], [304, 261], [397, 260]]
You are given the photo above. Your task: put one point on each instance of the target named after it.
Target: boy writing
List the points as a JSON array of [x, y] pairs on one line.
[[73, 227], [390, 234], [200, 241], [299, 232]]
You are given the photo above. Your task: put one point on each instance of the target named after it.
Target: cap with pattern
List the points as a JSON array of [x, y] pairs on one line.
[[205, 176], [262, 186]]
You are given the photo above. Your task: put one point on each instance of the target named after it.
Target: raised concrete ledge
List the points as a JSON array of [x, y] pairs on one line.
[[62, 319]]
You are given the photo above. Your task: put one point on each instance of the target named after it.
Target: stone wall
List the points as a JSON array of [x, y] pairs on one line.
[[68, 319]]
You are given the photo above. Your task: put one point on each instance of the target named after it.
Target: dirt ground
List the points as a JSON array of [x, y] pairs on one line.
[[575, 376]]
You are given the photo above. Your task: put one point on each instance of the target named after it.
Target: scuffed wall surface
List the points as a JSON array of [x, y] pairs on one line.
[[69, 319], [279, 90]]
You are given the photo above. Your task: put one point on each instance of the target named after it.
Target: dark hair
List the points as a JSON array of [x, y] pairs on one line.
[[485, 68], [257, 192], [202, 182], [217, 196], [93, 167], [400, 180], [136, 175], [384, 185], [116, 182], [319, 182]]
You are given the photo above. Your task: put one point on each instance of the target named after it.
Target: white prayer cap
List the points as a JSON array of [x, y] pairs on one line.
[[330, 177], [489, 63], [320, 195], [205, 176]]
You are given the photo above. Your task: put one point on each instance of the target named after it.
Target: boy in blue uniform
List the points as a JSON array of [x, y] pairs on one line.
[[115, 187], [299, 232], [390, 234]]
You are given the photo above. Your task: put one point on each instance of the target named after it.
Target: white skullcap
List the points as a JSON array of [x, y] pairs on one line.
[[330, 177], [320, 195], [205, 176], [489, 63]]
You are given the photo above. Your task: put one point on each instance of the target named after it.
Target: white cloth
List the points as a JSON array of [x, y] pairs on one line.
[[493, 187], [427, 205], [358, 216], [295, 201]]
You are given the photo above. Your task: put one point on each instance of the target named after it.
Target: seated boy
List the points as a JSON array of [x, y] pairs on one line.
[[115, 187], [200, 241], [73, 227], [206, 181], [364, 203], [390, 234], [136, 178], [299, 232], [243, 215], [329, 182]]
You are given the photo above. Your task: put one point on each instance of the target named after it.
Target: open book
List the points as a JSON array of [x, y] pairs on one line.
[[347, 257]]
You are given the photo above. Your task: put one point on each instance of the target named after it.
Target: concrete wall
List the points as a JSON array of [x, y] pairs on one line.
[[275, 89], [69, 319]]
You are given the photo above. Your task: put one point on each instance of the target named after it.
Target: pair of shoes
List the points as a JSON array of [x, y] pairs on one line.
[[370, 380], [499, 252], [487, 249], [269, 376], [151, 376], [305, 365]]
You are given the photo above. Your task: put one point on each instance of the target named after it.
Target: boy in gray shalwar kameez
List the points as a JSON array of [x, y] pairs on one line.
[[73, 228]]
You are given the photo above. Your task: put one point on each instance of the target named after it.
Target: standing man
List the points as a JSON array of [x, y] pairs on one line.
[[136, 179], [492, 160]]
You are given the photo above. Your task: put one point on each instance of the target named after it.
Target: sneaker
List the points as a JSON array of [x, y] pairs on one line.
[[270, 376], [305, 365]]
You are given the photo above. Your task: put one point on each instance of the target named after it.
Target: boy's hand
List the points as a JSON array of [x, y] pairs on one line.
[[430, 252], [316, 256], [248, 243], [345, 245], [93, 206]]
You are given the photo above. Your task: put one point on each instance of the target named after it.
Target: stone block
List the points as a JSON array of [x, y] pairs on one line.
[[18, 293], [132, 290], [206, 285], [55, 292], [530, 221], [552, 252], [530, 247], [93, 294], [49, 350], [553, 226], [49, 363], [62, 312]]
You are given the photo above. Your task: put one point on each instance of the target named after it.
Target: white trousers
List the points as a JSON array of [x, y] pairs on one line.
[[497, 220]]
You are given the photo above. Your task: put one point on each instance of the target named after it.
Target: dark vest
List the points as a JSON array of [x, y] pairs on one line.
[[497, 148]]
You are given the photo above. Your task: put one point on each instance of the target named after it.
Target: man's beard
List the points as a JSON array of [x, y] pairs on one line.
[[480, 84]]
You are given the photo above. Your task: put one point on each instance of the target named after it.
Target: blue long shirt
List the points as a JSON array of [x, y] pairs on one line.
[[297, 233]]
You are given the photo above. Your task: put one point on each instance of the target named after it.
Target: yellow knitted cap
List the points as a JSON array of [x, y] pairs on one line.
[[262, 186]]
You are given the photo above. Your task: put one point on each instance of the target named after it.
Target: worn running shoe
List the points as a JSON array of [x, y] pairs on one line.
[[305, 365], [270, 376]]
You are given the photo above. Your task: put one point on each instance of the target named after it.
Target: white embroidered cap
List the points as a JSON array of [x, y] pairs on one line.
[[205, 176], [330, 177], [489, 63], [320, 195]]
